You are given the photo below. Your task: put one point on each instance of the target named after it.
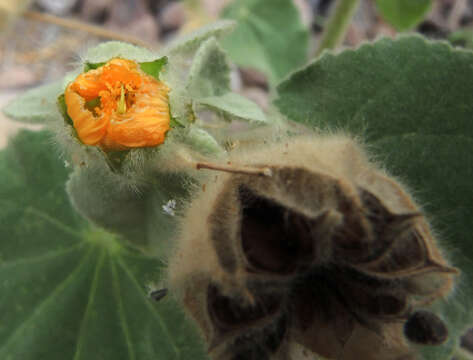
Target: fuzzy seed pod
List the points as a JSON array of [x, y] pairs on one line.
[[311, 245]]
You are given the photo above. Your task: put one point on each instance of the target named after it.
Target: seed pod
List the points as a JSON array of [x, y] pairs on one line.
[[424, 327], [313, 236]]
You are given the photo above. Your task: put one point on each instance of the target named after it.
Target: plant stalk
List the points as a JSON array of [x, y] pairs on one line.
[[335, 30]]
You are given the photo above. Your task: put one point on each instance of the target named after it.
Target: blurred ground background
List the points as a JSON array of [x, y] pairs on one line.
[[35, 49]]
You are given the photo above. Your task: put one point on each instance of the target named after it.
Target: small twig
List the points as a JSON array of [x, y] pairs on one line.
[[50, 51], [335, 30], [82, 26], [235, 169]]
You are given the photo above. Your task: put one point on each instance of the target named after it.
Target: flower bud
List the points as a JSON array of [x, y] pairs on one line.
[[118, 106]]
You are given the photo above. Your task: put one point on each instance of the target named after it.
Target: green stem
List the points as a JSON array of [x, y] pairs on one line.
[[334, 32]]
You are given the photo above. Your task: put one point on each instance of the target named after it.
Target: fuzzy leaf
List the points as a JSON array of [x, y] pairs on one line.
[[152, 68], [403, 14], [269, 37], [110, 49], [70, 290], [187, 44], [176, 74], [36, 106], [390, 87], [202, 141], [180, 104], [208, 84], [463, 37], [210, 71], [439, 169], [234, 105]]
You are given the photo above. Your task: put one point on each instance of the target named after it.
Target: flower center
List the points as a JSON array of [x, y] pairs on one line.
[[121, 106], [110, 88]]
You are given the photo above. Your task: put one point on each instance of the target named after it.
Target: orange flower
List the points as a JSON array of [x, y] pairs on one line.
[[118, 106]]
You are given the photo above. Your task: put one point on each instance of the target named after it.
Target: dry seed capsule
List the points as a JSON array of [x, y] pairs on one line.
[[312, 223]]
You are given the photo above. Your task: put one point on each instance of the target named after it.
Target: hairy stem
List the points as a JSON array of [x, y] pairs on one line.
[[335, 30]]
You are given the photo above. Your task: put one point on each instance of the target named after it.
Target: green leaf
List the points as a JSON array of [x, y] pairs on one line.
[[180, 104], [439, 169], [234, 105], [176, 74], [391, 87], [70, 290], [269, 37], [202, 141], [403, 14], [61, 104], [93, 66], [100, 54], [463, 37], [208, 84], [36, 106], [153, 68], [210, 71], [187, 44]]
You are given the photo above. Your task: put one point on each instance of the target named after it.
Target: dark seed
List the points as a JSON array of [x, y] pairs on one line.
[[425, 328], [158, 294]]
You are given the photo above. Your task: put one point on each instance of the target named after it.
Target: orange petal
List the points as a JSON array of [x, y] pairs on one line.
[[145, 123], [90, 129], [146, 128], [120, 71], [88, 85]]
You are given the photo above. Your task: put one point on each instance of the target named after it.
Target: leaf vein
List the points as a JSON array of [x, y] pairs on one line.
[[93, 288], [150, 307], [39, 258], [59, 225], [121, 312], [57, 290]]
